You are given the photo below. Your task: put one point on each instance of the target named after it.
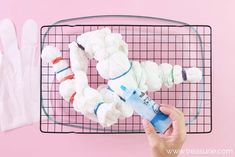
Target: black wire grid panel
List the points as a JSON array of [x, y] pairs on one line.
[[188, 46]]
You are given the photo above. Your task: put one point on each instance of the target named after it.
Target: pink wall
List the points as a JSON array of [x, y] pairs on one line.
[[28, 141]]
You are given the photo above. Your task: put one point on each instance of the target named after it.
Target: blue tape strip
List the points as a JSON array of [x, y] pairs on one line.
[[123, 73], [62, 70], [97, 107], [80, 46], [184, 75]]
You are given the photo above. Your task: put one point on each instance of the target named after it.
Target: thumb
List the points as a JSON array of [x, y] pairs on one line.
[[150, 131]]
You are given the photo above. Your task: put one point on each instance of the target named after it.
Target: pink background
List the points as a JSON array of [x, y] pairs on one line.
[[29, 141]]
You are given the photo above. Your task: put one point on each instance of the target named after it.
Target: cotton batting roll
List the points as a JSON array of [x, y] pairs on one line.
[[113, 66], [60, 67], [86, 98], [139, 75], [108, 114], [114, 41], [177, 74], [86, 102], [81, 81], [107, 95], [111, 97], [166, 74], [111, 53], [49, 54], [193, 74], [67, 89], [78, 59], [91, 40], [100, 44], [153, 79]]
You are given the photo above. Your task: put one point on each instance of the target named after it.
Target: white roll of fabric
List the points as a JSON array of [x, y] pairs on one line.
[[64, 74], [111, 97]]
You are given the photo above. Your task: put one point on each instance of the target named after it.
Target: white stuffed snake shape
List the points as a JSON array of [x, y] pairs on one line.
[[104, 104]]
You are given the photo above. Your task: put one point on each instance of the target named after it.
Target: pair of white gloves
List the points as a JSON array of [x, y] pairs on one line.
[[19, 75]]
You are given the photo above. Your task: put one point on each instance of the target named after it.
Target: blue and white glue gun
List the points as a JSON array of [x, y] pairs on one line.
[[147, 108]]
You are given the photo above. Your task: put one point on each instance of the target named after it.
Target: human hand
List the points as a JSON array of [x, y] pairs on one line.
[[169, 143]]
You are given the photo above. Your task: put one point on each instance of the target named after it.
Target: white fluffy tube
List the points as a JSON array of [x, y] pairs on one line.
[[64, 75], [153, 78], [111, 97], [111, 53], [193, 74], [84, 98], [78, 59], [87, 99]]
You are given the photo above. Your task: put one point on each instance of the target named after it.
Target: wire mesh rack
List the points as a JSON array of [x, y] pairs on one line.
[[185, 45]]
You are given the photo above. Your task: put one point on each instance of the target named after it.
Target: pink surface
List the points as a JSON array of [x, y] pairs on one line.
[[28, 141]]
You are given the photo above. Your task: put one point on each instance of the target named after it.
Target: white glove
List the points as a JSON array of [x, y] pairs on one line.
[[19, 76]]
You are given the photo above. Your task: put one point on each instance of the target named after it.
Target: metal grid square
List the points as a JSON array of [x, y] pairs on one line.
[[188, 46]]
